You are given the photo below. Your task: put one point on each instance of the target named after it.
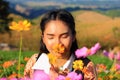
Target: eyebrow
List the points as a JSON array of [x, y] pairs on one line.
[[65, 33], [50, 34]]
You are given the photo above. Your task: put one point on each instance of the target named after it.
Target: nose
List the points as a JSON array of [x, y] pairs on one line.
[[58, 41]]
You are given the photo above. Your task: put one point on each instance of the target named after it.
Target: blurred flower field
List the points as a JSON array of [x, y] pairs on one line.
[[9, 63], [104, 64], [12, 63]]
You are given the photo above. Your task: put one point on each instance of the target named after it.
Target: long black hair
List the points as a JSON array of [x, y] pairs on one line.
[[61, 15]]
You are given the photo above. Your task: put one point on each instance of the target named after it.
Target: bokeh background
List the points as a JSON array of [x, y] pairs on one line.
[[96, 21]]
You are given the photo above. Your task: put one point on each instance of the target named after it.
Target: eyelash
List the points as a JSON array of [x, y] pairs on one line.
[[50, 37], [63, 36]]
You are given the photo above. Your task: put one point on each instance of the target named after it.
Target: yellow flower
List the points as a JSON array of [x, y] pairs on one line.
[[52, 58], [78, 65], [20, 26], [58, 48]]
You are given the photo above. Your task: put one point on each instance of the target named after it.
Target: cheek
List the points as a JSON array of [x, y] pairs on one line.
[[67, 44], [48, 44]]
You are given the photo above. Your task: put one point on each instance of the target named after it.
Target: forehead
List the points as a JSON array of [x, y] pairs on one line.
[[56, 26]]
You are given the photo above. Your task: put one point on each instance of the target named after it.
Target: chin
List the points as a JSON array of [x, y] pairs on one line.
[[60, 55]]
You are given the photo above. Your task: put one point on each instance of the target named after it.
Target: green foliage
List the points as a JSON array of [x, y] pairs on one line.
[[98, 58], [13, 55]]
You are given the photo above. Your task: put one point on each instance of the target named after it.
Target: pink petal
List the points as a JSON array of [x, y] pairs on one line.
[[95, 48], [74, 76], [71, 75], [3, 78], [40, 75], [105, 53], [117, 66], [81, 52], [60, 77], [78, 77], [111, 55], [117, 56]]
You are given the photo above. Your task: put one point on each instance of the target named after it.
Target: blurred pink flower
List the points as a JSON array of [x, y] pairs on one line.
[[81, 52], [117, 66], [74, 76], [25, 78], [3, 78], [40, 75], [60, 77], [117, 56], [95, 48], [105, 53], [111, 55], [84, 52]]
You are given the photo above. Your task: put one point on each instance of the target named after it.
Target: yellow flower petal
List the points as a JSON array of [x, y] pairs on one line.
[[20, 26], [25, 22], [58, 48], [78, 65], [52, 58]]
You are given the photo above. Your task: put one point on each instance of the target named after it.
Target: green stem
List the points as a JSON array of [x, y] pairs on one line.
[[1, 75], [5, 71], [19, 60], [112, 67]]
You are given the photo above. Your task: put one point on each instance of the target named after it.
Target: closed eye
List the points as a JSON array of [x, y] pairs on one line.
[[64, 35], [50, 36]]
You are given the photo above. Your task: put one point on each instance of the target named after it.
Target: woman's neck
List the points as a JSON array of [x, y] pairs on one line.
[[60, 61], [64, 56]]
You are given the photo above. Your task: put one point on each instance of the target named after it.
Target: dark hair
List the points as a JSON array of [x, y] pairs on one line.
[[64, 16]]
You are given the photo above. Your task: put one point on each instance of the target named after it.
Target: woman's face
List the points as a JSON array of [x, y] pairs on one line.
[[57, 32]]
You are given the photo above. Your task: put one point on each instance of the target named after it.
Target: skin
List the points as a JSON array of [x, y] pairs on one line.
[[57, 32]]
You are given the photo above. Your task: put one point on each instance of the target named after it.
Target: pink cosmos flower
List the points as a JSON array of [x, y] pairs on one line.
[[95, 48], [71, 76], [60, 77], [40, 75], [105, 53], [74, 76], [3, 78], [84, 52], [117, 56], [81, 52], [25, 78], [117, 66], [112, 55]]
